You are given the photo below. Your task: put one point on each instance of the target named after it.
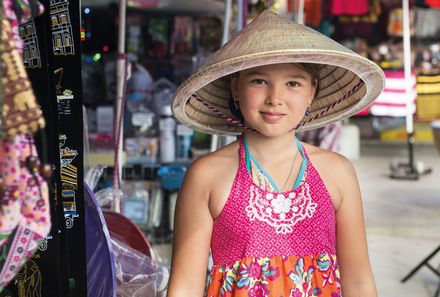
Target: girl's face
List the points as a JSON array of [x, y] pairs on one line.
[[273, 98]]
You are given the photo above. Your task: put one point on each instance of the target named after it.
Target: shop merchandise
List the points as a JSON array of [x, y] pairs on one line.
[[158, 31], [340, 7], [392, 101], [370, 16], [136, 203], [184, 140], [24, 208], [21, 113], [167, 127], [395, 22], [24, 213], [18, 12], [427, 23], [428, 95], [348, 82], [433, 3], [182, 39], [313, 12]]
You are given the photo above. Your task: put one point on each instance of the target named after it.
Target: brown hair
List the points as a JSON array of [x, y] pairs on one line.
[[313, 71]]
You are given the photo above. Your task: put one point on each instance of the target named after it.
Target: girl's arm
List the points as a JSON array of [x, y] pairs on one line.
[[192, 234], [356, 275]]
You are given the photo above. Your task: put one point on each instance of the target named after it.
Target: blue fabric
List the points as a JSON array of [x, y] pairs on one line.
[[250, 158]]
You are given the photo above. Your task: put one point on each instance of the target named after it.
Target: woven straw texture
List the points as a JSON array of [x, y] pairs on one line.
[[348, 82]]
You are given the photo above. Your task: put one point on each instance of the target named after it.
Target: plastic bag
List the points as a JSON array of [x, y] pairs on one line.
[[106, 196], [137, 274], [92, 176]]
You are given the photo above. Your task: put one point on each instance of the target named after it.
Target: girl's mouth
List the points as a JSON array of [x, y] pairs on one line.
[[271, 116]]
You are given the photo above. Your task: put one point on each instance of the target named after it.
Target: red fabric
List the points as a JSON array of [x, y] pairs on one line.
[[313, 12], [352, 7], [433, 3]]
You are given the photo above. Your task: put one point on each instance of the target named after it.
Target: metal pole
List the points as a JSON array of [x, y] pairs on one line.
[[120, 82], [300, 15], [408, 82], [225, 38], [239, 15]]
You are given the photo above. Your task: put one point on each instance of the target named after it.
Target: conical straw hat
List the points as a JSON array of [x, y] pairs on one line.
[[348, 83]]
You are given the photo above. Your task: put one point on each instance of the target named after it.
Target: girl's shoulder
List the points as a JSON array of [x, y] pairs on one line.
[[326, 159], [218, 163], [335, 170]]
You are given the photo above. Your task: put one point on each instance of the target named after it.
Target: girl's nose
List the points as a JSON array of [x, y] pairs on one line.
[[273, 96]]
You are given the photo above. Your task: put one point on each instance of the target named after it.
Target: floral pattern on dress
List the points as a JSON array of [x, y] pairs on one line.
[[286, 276]]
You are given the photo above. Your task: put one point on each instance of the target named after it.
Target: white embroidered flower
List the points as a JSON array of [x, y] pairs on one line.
[[292, 195], [281, 204], [269, 196], [268, 210]]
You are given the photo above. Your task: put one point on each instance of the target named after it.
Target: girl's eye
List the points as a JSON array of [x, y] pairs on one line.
[[293, 84], [258, 81]]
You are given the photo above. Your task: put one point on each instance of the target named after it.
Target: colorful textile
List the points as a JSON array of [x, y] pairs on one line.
[[427, 22], [354, 7], [392, 101], [313, 12], [24, 208], [18, 12], [275, 244], [20, 111], [428, 96], [371, 16], [395, 22], [277, 276], [433, 3]]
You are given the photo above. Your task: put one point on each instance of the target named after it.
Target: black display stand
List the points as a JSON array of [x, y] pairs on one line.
[[425, 262], [52, 57]]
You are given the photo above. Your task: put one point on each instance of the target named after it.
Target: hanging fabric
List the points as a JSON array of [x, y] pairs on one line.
[[395, 22], [354, 7], [433, 3], [20, 111], [427, 22], [18, 12], [428, 95], [24, 212], [361, 26], [370, 16], [313, 12], [392, 101], [24, 205]]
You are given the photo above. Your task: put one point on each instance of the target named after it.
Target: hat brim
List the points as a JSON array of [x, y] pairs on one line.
[[349, 83]]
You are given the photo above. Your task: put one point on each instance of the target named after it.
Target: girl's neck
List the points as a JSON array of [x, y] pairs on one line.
[[264, 148]]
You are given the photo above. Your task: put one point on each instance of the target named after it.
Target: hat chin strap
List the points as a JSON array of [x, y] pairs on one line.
[[223, 115], [238, 123], [231, 119]]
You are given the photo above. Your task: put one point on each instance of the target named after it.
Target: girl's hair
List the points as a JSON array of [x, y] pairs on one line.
[[311, 69]]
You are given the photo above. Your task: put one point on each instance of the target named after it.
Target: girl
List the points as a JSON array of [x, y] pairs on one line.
[[282, 218]]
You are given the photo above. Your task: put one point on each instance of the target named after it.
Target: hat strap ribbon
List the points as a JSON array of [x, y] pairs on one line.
[[223, 115]]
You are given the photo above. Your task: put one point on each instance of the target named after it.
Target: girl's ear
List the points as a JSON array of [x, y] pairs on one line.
[[234, 86]]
